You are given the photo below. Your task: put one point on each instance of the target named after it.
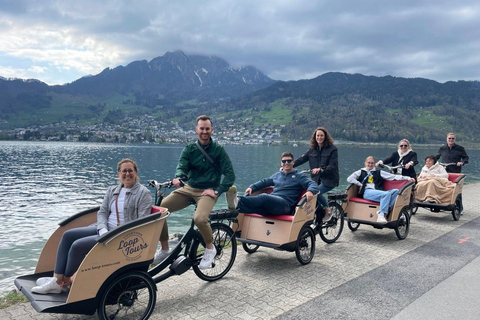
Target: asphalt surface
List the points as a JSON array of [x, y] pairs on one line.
[[366, 274]]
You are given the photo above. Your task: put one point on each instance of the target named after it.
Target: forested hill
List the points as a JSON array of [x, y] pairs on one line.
[[368, 108], [177, 87]]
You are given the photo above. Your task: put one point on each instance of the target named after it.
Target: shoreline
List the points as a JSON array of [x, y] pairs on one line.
[[299, 143]]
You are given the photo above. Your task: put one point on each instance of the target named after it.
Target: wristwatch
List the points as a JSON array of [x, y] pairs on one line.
[[216, 193]]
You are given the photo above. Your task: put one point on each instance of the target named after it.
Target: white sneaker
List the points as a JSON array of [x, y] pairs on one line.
[[48, 287], [207, 259], [381, 218], [327, 216], [161, 255], [231, 196], [41, 281]]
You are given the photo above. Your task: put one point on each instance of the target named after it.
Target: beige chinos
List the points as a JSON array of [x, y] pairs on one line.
[[179, 199]]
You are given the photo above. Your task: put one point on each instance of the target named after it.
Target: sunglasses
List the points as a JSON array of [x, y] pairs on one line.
[[287, 161], [403, 146]]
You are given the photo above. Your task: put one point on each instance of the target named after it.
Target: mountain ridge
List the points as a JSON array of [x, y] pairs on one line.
[[177, 86]]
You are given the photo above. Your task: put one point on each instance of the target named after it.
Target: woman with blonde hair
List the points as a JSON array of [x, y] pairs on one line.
[[403, 156], [370, 184]]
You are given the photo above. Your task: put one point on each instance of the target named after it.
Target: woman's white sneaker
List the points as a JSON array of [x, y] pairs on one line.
[[48, 287], [41, 281]]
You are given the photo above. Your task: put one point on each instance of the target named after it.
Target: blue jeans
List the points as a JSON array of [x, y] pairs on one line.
[[386, 198], [73, 247], [320, 197], [264, 204]]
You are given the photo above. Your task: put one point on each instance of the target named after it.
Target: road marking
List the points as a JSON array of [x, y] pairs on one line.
[[463, 240]]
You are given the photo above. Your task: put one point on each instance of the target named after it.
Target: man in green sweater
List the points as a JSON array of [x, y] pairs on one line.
[[203, 186]]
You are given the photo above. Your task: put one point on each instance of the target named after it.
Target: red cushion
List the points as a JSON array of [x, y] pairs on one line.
[[157, 210], [454, 176], [361, 200], [283, 217], [394, 184]]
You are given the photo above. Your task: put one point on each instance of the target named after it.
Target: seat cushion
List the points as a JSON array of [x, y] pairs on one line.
[[394, 184], [361, 200], [454, 176]]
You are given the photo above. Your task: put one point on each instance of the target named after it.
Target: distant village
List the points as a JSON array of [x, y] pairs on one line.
[[146, 129]]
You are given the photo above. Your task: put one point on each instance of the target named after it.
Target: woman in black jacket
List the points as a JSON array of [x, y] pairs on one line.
[[405, 156], [323, 160]]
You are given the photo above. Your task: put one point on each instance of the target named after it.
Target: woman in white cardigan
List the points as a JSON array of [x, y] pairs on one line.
[[433, 185]]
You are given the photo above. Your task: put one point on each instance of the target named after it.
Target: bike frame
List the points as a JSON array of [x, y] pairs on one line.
[[178, 262]]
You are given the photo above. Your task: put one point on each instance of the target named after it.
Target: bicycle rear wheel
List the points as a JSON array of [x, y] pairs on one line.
[[226, 245], [130, 296]]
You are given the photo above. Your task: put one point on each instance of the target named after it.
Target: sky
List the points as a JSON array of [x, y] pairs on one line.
[[59, 41]]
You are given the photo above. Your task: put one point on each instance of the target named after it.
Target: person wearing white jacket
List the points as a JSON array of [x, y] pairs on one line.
[[370, 182]]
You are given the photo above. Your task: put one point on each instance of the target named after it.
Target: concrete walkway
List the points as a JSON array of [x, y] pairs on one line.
[[367, 274]]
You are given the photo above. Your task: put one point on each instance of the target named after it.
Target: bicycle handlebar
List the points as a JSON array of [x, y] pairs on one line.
[[447, 164], [156, 185], [391, 168]]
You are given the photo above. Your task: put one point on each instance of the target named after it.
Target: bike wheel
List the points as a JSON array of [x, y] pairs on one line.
[[353, 226], [403, 224], [250, 248], [130, 296], [456, 209], [226, 245], [332, 229], [305, 246]]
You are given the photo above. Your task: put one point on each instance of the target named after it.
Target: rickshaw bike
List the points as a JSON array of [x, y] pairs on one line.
[[362, 211], [454, 205], [116, 279], [295, 232]]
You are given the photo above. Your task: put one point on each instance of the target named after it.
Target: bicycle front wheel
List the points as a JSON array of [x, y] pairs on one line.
[[332, 229], [226, 245]]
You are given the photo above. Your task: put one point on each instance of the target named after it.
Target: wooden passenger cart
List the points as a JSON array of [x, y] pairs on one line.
[[293, 232], [361, 211], [454, 205], [113, 275]]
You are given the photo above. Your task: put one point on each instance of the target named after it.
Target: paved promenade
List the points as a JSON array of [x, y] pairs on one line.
[[367, 274]]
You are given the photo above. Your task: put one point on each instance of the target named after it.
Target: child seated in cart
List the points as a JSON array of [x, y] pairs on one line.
[[288, 185], [370, 184]]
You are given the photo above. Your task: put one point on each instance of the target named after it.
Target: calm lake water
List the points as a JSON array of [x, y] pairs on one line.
[[42, 183]]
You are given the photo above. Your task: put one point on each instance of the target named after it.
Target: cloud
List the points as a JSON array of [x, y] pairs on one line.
[[288, 40]]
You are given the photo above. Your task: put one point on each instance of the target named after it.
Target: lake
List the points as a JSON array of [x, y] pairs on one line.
[[42, 183]]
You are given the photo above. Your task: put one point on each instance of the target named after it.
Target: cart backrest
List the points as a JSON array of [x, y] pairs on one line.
[[455, 177], [394, 184]]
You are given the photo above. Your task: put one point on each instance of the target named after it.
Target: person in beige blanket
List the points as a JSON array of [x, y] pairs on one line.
[[433, 184]]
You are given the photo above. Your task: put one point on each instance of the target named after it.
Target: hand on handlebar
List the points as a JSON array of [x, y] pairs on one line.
[[248, 191], [316, 170], [178, 183], [308, 195]]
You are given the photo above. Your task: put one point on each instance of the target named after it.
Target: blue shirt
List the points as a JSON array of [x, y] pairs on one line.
[[288, 186]]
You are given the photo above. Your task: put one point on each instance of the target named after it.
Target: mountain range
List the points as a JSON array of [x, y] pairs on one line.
[[178, 87]]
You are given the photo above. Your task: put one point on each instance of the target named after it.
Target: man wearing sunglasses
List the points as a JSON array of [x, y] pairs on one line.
[[287, 184], [453, 153]]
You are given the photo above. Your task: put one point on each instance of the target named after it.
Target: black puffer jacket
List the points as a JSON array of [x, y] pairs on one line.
[[325, 158]]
